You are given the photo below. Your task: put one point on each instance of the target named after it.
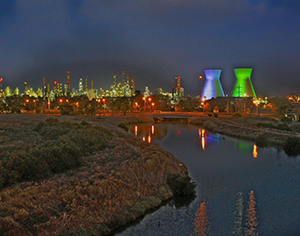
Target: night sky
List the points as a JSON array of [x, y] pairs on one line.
[[153, 41]]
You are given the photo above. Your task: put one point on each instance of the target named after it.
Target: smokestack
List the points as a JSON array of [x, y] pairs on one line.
[[1, 88], [212, 86], [172, 90], [178, 87], [26, 86], [54, 86], [243, 86], [115, 79], [178, 82], [132, 87], [123, 77], [44, 86], [127, 80], [92, 84], [48, 90], [86, 86], [68, 83]]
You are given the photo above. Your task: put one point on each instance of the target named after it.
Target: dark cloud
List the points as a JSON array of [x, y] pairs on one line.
[[153, 41]]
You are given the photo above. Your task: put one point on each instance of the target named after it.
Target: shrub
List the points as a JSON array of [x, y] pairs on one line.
[[181, 184], [208, 124], [261, 140], [60, 155], [20, 165], [283, 126], [291, 146], [62, 149], [216, 114], [237, 114], [123, 126], [265, 125], [52, 121], [84, 123], [209, 115]]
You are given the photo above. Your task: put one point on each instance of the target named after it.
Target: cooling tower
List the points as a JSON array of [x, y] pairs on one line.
[[212, 87], [243, 86]]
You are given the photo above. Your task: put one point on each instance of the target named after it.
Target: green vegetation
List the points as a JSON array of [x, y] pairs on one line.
[[60, 148], [181, 185], [261, 140], [237, 114], [281, 126], [123, 126], [110, 187], [292, 146]]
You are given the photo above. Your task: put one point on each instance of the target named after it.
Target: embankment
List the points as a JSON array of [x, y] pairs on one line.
[[269, 130], [114, 186]]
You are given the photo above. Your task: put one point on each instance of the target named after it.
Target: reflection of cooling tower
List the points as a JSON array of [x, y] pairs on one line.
[[243, 86], [212, 87]]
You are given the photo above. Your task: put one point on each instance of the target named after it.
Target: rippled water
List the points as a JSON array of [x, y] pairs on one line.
[[239, 187]]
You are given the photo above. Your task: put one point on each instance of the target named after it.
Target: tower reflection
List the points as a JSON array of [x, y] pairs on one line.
[[251, 217], [255, 154], [147, 131], [202, 137], [201, 221]]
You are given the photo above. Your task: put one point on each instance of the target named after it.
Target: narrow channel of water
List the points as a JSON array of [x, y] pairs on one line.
[[239, 187]]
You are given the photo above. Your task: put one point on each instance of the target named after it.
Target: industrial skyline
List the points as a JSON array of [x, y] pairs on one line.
[[212, 88]]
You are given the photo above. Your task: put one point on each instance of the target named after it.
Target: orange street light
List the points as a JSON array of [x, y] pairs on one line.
[[149, 99]]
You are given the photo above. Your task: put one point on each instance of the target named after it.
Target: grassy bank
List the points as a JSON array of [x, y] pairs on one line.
[[265, 131], [113, 184]]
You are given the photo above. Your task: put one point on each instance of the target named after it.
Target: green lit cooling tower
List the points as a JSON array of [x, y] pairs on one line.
[[243, 86]]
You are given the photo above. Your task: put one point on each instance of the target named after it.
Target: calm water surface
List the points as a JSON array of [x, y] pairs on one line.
[[227, 171]]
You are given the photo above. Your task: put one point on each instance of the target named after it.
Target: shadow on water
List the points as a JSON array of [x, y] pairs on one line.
[[175, 202]]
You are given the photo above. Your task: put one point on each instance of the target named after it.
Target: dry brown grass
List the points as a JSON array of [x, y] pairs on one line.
[[114, 186]]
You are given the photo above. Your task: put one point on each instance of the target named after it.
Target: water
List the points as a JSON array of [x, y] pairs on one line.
[[227, 171]]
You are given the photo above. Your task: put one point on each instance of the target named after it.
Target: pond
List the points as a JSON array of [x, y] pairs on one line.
[[239, 187]]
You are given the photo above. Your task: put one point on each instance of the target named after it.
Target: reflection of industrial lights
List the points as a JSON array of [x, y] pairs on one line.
[[203, 143], [255, 154], [135, 130], [144, 138], [149, 139], [152, 129]]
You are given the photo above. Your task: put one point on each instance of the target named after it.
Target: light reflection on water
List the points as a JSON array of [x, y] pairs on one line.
[[236, 190]]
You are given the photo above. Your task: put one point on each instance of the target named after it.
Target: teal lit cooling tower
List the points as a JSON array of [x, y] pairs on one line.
[[212, 87], [243, 86]]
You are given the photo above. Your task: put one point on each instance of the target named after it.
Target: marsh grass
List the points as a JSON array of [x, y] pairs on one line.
[[114, 185]]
